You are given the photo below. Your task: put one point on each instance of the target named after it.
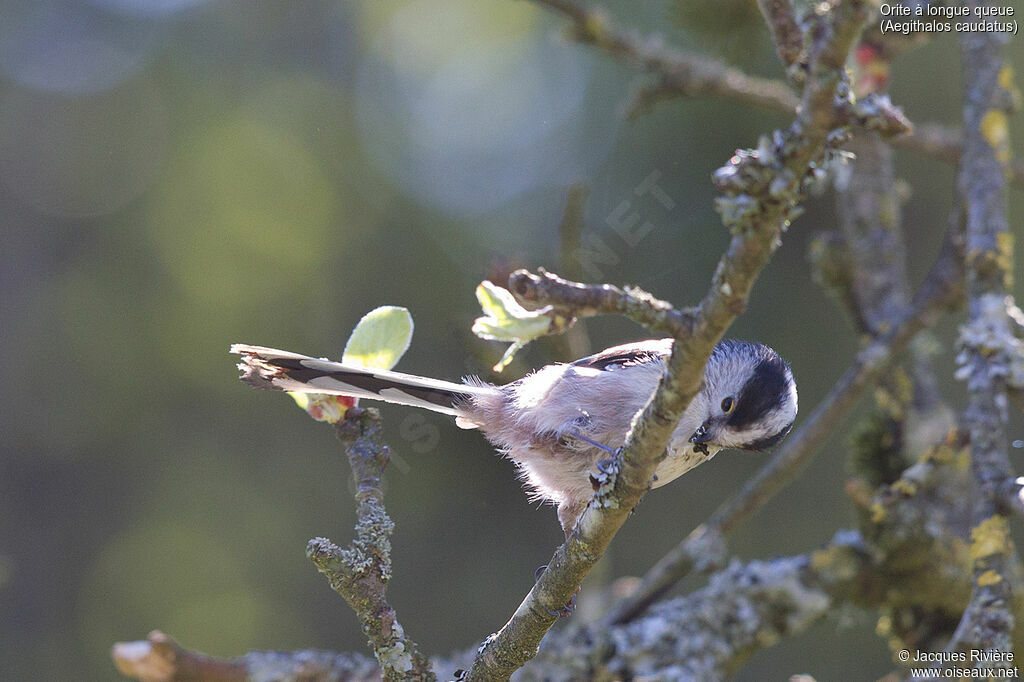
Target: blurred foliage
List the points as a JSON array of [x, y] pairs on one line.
[[178, 175], [733, 29]]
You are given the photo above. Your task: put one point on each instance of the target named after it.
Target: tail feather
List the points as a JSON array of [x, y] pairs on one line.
[[282, 370]]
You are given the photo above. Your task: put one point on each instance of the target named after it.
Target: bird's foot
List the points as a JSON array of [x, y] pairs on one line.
[[575, 433], [606, 472], [566, 610]]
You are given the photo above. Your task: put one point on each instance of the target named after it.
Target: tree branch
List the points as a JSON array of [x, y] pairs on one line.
[[700, 636], [576, 343], [942, 289], [360, 573], [675, 72], [761, 190], [576, 300], [786, 34], [680, 74], [705, 635], [987, 339], [158, 658], [907, 528], [944, 144], [912, 414]]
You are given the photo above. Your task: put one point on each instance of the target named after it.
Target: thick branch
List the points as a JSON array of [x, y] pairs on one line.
[[988, 621], [761, 189], [705, 635], [701, 636], [360, 573]]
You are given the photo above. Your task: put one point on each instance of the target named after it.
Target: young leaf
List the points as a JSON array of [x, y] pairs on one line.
[[505, 320], [378, 341]]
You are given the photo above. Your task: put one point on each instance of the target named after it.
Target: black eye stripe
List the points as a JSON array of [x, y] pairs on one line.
[[770, 441], [766, 389]]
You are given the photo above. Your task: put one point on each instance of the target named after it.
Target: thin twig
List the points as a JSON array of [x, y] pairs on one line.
[[158, 658], [570, 230], [360, 573], [577, 300], [679, 74], [942, 289], [676, 71], [946, 144], [786, 34]]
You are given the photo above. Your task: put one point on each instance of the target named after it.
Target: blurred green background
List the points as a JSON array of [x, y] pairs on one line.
[[178, 175]]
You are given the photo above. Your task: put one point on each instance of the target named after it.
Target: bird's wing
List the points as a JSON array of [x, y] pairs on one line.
[[628, 354]]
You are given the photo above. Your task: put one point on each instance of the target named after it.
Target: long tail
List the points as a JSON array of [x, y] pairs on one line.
[[279, 369]]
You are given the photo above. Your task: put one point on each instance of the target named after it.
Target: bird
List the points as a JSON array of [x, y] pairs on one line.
[[560, 423]]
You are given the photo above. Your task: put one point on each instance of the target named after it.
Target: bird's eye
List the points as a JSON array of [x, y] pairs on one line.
[[728, 404]]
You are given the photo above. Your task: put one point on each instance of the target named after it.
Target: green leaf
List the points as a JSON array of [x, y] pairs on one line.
[[505, 320], [380, 339]]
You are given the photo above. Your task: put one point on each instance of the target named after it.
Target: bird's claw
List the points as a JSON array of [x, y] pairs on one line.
[[606, 472], [566, 610]]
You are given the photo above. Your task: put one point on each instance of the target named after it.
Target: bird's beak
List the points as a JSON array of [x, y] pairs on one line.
[[704, 434]]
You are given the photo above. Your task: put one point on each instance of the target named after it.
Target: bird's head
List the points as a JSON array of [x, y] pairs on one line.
[[750, 398]]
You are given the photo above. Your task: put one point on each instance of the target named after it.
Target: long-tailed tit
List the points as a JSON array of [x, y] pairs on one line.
[[557, 423]]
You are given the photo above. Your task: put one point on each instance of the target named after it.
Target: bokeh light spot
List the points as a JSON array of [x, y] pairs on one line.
[[179, 576], [151, 8], [82, 156], [411, 30], [243, 212], [431, 118], [71, 47]]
